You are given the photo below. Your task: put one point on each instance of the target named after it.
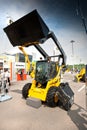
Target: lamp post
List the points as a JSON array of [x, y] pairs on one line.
[[72, 41]]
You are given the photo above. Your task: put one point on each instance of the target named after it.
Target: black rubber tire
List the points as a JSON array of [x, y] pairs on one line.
[[50, 97], [25, 90]]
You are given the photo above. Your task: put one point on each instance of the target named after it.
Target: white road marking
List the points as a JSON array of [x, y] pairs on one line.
[[81, 88]]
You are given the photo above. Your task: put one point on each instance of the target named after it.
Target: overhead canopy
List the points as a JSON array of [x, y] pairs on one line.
[[28, 30]]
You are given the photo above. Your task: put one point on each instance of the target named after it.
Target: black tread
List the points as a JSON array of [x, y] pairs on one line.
[[25, 90], [50, 97], [67, 106]]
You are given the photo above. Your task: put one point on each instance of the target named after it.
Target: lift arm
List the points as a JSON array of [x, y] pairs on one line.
[[63, 55], [39, 48], [27, 61], [57, 43]]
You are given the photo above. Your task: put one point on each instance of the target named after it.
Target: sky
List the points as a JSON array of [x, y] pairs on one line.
[[63, 17]]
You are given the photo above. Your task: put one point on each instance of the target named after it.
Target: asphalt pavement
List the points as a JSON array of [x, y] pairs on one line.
[[15, 114]]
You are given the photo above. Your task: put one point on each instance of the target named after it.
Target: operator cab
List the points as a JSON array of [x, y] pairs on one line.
[[45, 70]]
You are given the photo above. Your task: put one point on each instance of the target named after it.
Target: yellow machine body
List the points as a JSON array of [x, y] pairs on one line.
[[37, 91], [80, 75], [27, 61]]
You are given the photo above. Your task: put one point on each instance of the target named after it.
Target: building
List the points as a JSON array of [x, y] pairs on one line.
[[14, 63]]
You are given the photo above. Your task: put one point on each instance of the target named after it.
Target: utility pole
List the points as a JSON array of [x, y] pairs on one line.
[[72, 41]]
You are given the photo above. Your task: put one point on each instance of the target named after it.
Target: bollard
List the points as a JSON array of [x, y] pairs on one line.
[[86, 86]]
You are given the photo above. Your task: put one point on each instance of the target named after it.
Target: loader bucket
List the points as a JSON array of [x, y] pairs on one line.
[[27, 30]]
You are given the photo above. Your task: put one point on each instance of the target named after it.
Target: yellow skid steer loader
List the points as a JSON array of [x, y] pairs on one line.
[[80, 76], [31, 30]]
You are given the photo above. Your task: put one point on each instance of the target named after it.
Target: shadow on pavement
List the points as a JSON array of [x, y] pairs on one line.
[[17, 91], [79, 117]]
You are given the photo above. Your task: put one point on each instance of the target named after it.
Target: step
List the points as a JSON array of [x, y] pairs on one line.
[[34, 102]]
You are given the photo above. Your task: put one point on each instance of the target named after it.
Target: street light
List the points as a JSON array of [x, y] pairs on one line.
[[72, 41]]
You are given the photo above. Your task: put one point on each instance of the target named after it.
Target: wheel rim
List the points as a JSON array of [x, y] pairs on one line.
[[56, 97]]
